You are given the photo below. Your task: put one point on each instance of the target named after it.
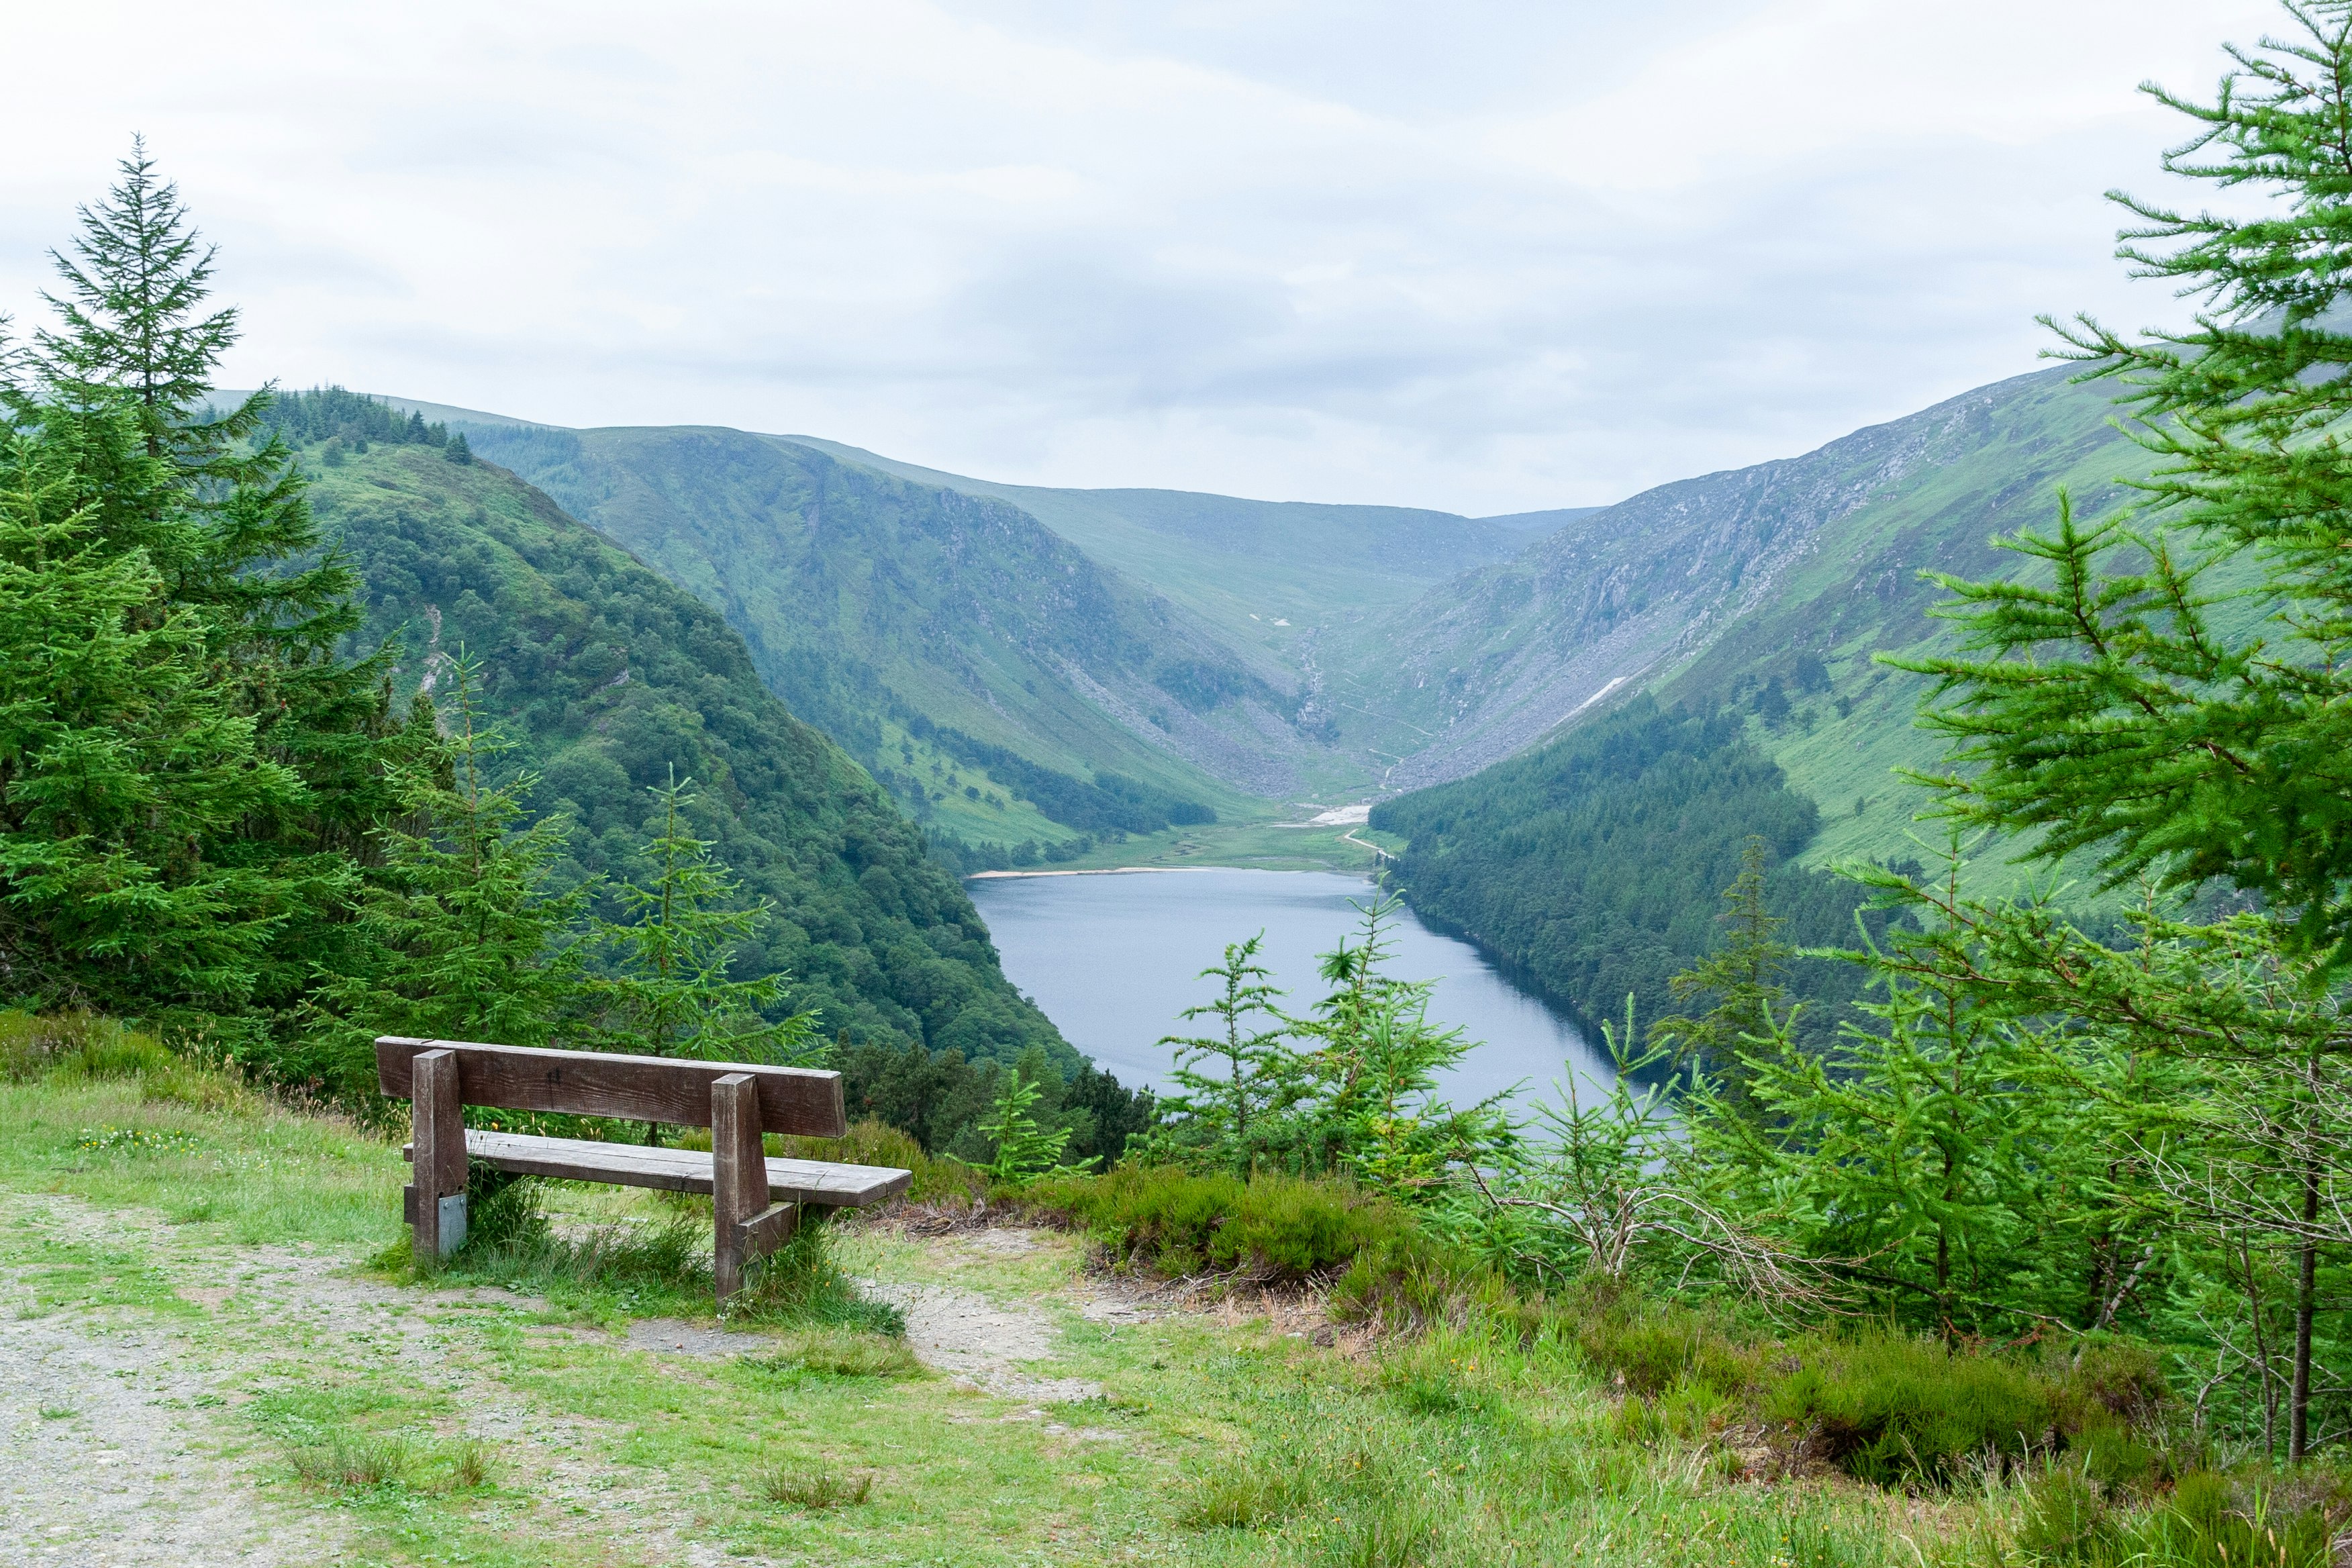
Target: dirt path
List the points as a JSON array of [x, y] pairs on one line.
[[111, 1421], [124, 1437]]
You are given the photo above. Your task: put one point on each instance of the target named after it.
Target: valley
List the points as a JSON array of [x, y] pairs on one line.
[[1093, 678]]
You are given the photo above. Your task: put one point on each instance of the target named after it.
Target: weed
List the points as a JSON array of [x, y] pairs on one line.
[[469, 1467], [356, 1462], [1244, 1497], [135, 1141], [803, 1282], [814, 1491], [58, 1412]]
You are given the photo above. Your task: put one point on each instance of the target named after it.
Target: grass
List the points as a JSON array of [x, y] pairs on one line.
[[814, 1491], [495, 1413]]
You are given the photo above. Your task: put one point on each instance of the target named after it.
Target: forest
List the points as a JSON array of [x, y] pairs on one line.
[[1593, 865]]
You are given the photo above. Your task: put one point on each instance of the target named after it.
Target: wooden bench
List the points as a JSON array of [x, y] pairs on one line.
[[758, 1200]]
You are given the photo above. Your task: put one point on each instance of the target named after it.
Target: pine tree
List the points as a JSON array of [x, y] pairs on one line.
[[1214, 1112], [462, 934], [668, 993], [125, 766], [1745, 979], [2108, 705], [228, 528]]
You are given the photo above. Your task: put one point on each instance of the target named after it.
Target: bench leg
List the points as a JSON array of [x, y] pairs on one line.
[[738, 1170], [438, 1134]]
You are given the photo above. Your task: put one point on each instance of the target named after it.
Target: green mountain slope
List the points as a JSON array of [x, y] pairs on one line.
[[1245, 566], [1596, 863], [1747, 610], [1707, 589], [990, 672], [608, 675]]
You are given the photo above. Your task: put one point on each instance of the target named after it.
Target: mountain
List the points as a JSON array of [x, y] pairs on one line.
[[1711, 589], [1696, 665], [1541, 522], [990, 672], [607, 675], [1242, 565], [1168, 639]]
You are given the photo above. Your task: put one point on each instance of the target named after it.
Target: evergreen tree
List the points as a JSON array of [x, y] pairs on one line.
[[1215, 1111], [461, 934], [124, 764], [2111, 703], [227, 527], [1744, 977], [1025, 1149], [456, 450], [669, 993]]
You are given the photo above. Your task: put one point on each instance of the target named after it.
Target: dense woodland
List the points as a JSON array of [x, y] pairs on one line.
[[1594, 866]]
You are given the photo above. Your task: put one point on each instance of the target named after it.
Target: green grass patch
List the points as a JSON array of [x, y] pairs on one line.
[[814, 1491]]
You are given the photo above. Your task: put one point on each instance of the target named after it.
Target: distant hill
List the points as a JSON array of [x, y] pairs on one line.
[[1336, 651], [1798, 570], [951, 641], [1242, 565], [608, 674]]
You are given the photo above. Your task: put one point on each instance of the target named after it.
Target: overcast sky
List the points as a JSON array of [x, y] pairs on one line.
[[1483, 255]]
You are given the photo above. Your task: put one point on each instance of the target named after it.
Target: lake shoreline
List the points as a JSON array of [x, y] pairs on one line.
[[1124, 870], [1117, 967]]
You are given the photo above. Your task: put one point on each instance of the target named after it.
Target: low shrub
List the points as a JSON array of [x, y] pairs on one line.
[[1887, 1408], [1648, 1346], [79, 1045], [1271, 1229]]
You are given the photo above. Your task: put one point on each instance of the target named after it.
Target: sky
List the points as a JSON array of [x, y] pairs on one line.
[[1484, 257]]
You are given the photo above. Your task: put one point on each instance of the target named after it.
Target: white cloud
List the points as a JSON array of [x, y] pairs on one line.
[[1488, 257]]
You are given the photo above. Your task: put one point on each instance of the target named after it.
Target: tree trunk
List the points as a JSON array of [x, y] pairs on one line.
[[2306, 1294]]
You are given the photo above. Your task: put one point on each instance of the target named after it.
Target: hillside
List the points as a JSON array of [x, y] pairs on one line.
[[1596, 863], [1245, 566], [608, 675], [1753, 602], [1721, 583], [951, 641]]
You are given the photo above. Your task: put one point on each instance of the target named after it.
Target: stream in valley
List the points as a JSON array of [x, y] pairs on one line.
[[1113, 957]]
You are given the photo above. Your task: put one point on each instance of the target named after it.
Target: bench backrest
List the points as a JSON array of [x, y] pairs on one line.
[[634, 1088]]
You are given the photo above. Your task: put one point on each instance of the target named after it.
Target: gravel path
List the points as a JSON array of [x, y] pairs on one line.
[[120, 1442]]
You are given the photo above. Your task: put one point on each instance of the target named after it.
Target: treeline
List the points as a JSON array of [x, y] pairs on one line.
[[1595, 866], [1109, 803], [604, 675], [332, 413]]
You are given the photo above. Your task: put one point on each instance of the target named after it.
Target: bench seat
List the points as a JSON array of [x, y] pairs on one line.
[[815, 1182]]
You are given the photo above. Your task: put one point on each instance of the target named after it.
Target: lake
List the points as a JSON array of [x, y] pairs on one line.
[[1113, 957]]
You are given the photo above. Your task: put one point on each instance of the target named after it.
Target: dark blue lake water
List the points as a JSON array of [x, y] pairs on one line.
[[1113, 958]]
